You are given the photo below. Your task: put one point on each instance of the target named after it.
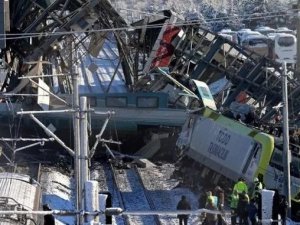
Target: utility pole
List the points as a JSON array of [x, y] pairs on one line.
[[76, 127], [84, 144], [286, 152], [90, 192], [298, 38]]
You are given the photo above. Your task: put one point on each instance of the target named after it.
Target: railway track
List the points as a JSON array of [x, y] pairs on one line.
[[133, 195], [118, 193]]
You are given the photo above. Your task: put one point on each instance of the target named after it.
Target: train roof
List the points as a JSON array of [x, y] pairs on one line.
[[237, 126]]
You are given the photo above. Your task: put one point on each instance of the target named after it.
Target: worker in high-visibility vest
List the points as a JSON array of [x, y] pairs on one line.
[[234, 199], [211, 203], [212, 198], [241, 186], [258, 186]]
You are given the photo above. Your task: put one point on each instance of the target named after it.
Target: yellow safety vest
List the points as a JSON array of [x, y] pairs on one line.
[[240, 187]]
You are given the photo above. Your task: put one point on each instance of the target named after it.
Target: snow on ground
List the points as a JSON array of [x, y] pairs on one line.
[[165, 191], [58, 193], [158, 180]]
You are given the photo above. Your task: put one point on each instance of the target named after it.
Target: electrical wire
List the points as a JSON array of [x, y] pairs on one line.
[[245, 17]]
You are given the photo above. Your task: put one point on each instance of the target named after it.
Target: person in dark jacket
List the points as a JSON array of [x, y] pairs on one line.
[[183, 204], [252, 212], [202, 200], [259, 207], [283, 205], [242, 207], [275, 209]]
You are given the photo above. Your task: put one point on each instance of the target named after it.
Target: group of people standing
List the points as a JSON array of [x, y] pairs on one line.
[[211, 201], [244, 207]]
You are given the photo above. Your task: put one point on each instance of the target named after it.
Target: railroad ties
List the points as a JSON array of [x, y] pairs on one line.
[[132, 194]]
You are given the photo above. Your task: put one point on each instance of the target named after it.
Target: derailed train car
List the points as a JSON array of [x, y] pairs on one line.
[[19, 192], [231, 149]]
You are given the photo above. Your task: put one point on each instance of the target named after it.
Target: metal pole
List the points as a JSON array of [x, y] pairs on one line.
[[84, 160], [76, 118], [298, 38], [286, 153], [45, 111], [49, 92], [84, 172], [29, 146], [27, 139], [98, 137], [50, 133]]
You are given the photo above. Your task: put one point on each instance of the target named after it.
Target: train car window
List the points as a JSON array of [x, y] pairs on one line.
[[147, 102], [286, 41], [205, 92], [257, 146], [276, 158], [116, 101], [252, 155], [295, 170], [295, 166]]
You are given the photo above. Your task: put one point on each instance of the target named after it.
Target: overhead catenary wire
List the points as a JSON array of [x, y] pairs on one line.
[[27, 139], [246, 17], [183, 23]]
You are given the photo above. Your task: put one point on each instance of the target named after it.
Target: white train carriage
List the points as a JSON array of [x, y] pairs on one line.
[[232, 149]]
